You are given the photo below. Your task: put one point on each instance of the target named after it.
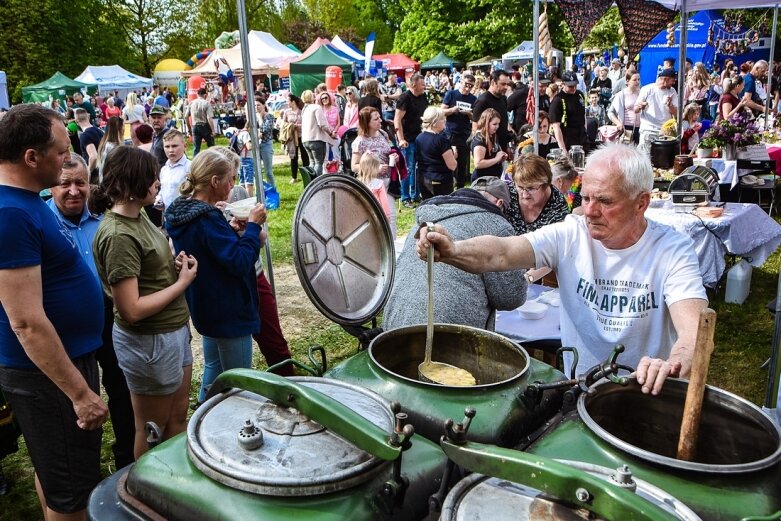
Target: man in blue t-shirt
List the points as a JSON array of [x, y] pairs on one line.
[[749, 96], [51, 317], [457, 106]]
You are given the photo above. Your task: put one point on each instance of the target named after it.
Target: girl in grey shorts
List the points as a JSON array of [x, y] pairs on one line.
[[151, 332]]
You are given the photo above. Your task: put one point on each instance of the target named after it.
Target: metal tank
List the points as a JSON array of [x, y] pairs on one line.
[[735, 475], [265, 447], [344, 256]]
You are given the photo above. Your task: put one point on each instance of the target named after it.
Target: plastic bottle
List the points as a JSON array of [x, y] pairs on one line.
[[738, 283]]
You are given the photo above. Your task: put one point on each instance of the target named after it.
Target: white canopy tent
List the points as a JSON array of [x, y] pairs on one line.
[[265, 50], [524, 52], [346, 49], [207, 67], [110, 78]]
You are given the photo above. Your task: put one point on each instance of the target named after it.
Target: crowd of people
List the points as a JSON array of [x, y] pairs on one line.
[[113, 275]]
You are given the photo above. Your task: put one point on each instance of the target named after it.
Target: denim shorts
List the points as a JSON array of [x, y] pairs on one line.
[[247, 171], [153, 363], [66, 458]]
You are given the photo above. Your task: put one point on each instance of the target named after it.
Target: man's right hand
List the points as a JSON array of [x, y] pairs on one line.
[[444, 246], [91, 411]]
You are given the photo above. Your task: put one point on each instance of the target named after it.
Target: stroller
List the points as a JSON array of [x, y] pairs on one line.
[[346, 150]]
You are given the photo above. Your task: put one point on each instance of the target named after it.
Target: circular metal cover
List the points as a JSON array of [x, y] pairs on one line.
[[297, 457], [343, 249], [480, 497]]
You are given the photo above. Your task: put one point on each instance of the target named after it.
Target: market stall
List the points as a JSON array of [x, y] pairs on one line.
[[57, 86]]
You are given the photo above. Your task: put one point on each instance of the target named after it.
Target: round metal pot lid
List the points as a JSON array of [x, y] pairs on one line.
[[282, 452], [484, 497], [735, 435], [343, 249]]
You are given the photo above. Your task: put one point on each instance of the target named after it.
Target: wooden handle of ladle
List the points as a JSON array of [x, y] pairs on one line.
[[703, 348]]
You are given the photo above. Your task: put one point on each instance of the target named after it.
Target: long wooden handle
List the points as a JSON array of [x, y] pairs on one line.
[[703, 348]]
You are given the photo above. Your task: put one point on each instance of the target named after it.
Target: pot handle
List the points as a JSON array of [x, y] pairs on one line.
[[326, 411], [596, 495]]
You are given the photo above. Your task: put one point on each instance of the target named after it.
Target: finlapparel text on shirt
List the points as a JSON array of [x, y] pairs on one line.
[[604, 301]]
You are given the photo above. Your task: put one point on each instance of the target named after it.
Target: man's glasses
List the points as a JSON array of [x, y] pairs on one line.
[[531, 190]]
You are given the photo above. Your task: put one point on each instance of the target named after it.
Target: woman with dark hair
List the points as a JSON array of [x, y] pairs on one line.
[[112, 138], [293, 146], [371, 95], [144, 134], [151, 322], [371, 138], [730, 103], [486, 151], [226, 318]]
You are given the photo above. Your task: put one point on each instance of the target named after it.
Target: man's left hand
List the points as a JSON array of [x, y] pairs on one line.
[[652, 372]]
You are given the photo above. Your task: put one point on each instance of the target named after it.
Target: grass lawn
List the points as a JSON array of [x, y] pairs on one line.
[[743, 339]]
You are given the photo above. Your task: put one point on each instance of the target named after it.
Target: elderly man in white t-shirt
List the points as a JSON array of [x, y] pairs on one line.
[[656, 103], [623, 279]]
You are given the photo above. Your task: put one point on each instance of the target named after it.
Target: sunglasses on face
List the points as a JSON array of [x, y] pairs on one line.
[[469, 85]]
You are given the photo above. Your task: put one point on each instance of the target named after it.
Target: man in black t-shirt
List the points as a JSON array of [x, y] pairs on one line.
[[89, 138], [568, 114], [457, 107], [494, 98], [516, 103], [409, 110]]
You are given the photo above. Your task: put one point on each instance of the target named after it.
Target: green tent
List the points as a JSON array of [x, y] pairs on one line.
[[58, 86], [308, 72], [440, 61]]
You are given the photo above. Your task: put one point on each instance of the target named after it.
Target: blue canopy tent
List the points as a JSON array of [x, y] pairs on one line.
[[697, 47]]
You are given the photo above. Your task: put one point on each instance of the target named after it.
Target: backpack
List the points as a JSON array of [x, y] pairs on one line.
[[236, 147]]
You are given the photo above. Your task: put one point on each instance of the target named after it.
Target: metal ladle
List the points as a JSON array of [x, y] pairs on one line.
[[430, 371]]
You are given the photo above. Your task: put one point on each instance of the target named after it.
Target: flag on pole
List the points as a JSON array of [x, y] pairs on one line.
[[369, 50]]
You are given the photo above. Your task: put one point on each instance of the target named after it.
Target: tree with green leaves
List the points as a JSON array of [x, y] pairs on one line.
[[39, 38]]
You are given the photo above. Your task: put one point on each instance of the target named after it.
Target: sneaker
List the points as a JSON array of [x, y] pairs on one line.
[[293, 180], [408, 204]]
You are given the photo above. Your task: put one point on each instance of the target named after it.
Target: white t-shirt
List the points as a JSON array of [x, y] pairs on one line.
[[171, 178], [611, 297], [656, 113]]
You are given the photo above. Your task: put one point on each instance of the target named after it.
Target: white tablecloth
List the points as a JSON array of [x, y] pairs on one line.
[[744, 230], [726, 171], [512, 325]]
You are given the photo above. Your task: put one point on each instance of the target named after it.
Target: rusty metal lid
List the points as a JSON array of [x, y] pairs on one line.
[[343, 249], [246, 442]]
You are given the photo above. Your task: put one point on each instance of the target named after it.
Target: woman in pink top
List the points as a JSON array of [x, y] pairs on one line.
[[351, 109], [621, 111]]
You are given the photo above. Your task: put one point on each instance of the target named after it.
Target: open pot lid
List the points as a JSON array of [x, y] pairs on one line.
[[245, 441], [343, 249]]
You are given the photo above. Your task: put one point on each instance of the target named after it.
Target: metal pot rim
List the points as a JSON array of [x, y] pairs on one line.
[[735, 468], [446, 327]]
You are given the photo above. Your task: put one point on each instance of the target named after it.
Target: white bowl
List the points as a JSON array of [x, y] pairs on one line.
[[533, 310], [241, 209]]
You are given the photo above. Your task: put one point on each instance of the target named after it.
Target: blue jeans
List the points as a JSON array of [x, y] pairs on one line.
[[246, 171], [267, 157], [221, 354], [409, 188]]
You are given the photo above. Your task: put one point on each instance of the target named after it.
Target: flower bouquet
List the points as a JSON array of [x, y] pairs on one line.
[[729, 134]]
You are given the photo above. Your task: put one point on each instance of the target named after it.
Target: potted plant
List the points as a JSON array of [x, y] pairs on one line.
[[706, 146]]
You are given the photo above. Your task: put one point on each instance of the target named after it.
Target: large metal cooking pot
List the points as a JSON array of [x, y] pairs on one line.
[[343, 253], [502, 368], [269, 448], [663, 151], [736, 472]]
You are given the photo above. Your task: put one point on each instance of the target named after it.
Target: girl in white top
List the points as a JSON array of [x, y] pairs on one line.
[[622, 109], [370, 176]]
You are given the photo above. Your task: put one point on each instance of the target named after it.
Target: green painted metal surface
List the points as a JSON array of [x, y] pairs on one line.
[[557, 479], [165, 480], [715, 497], [504, 417]]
